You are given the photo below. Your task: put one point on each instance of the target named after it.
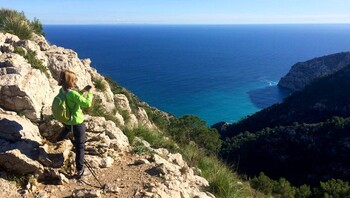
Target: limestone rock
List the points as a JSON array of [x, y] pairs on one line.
[[41, 42], [15, 161], [15, 128], [51, 129], [54, 155], [8, 189], [122, 102], [60, 59], [141, 161], [99, 124], [303, 73], [32, 46], [112, 188], [142, 118], [99, 162], [86, 193], [22, 88]]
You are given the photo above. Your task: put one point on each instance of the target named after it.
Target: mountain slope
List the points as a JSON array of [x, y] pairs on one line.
[[326, 97], [305, 138]]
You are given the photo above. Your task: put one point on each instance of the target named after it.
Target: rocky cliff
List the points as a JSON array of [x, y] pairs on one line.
[[29, 70], [303, 73]]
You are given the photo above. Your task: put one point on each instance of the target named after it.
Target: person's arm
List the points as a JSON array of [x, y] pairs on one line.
[[83, 101]]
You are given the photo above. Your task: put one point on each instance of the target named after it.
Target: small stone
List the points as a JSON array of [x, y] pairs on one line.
[[141, 161], [112, 188], [86, 193]]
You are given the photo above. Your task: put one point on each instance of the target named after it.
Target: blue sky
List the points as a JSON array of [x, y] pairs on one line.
[[183, 11]]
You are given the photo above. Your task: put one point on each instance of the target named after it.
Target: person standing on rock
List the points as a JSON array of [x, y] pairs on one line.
[[75, 100]]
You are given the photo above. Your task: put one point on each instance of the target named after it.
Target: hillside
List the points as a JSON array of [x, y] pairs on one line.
[[303, 139], [29, 70]]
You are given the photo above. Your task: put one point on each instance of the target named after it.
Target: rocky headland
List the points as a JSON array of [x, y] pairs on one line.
[[303, 73], [29, 70]]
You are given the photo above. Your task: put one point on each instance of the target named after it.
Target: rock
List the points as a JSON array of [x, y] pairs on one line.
[[51, 129], [63, 179], [98, 124], [141, 161], [23, 89], [34, 47], [138, 140], [60, 59], [161, 151], [11, 39], [112, 188], [15, 161], [8, 189], [142, 118], [86, 193], [41, 42], [99, 162], [176, 159], [54, 155], [15, 128], [122, 102], [303, 73]]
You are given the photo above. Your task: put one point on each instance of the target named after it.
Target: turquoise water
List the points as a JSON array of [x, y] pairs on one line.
[[218, 72]]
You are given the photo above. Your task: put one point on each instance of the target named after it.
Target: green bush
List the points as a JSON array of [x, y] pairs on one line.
[[263, 184], [100, 84], [303, 191], [30, 56], [16, 23], [334, 188], [191, 128]]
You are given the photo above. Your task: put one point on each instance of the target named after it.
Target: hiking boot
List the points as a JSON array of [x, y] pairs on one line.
[[80, 173]]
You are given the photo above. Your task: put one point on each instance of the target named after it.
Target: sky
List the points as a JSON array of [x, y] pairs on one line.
[[183, 11]]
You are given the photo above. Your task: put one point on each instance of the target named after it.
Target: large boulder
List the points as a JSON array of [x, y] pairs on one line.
[[60, 59], [54, 155], [22, 88], [99, 125], [16, 128], [17, 162]]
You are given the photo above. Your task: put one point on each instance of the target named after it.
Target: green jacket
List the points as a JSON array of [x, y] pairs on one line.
[[76, 100]]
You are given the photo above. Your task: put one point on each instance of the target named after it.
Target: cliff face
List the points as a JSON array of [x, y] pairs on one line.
[[303, 73], [29, 70]]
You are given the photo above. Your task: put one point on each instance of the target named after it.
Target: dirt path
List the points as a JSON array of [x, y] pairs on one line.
[[129, 178]]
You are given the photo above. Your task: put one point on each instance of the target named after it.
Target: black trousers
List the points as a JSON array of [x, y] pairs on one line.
[[79, 142]]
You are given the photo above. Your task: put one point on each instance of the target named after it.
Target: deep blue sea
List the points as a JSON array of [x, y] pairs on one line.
[[218, 72]]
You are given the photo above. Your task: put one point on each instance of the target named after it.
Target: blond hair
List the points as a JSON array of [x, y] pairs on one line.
[[67, 79]]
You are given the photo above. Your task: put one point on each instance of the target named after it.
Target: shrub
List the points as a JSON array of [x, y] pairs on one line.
[[263, 184], [16, 23], [334, 188], [191, 128], [37, 27], [100, 84], [303, 191]]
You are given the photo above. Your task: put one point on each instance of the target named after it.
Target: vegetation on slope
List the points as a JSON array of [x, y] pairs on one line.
[[17, 23], [305, 139]]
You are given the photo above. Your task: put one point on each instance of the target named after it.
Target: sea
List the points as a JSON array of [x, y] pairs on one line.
[[216, 72]]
